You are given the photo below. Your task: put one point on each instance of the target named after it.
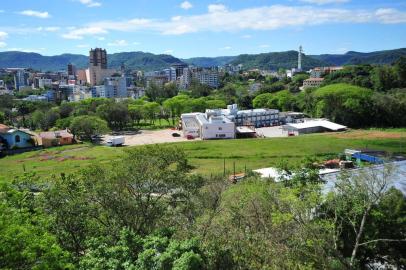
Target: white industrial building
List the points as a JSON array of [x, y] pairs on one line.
[[206, 127], [254, 117]]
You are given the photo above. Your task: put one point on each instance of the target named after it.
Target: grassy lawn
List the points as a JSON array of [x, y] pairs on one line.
[[207, 157]]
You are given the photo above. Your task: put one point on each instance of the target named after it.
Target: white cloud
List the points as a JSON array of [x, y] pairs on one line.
[[78, 33], [136, 43], [3, 35], [390, 15], [186, 5], [264, 46], [118, 43], [246, 36], [324, 2], [83, 46], [90, 3], [216, 8], [168, 51], [226, 48], [101, 38], [48, 29], [27, 50], [33, 13], [220, 19]]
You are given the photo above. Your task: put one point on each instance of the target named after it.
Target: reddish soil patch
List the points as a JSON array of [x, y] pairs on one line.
[[373, 134]]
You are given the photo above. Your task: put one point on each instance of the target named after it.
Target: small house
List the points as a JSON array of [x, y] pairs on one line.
[[56, 138], [11, 138]]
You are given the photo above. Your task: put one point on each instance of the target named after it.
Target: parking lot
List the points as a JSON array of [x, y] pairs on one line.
[[152, 137]]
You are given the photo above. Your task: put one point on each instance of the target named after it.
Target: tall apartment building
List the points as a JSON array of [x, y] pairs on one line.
[[98, 57], [98, 71], [20, 78], [114, 87], [71, 70], [208, 77], [179, 67]]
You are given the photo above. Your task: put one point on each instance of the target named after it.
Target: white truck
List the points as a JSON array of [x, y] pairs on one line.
[[115, 141]]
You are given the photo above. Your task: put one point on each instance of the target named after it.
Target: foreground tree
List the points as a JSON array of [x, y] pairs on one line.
[[85, 127], [355, 197]]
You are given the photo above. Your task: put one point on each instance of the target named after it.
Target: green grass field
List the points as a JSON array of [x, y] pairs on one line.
[[207, 157]]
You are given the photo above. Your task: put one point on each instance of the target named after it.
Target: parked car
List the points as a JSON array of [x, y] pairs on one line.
[[190, 137], [175, 134]]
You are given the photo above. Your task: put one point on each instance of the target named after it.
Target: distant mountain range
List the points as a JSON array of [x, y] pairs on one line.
[[355, 58], [148, 61]]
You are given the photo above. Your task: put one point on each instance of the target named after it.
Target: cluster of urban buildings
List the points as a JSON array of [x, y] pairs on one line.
[[98, 80], [183, 75]]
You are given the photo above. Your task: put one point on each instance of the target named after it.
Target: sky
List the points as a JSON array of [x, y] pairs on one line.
[[202, 27]]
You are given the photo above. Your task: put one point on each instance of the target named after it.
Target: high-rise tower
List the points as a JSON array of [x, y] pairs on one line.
[[299, 59], [98, 57]]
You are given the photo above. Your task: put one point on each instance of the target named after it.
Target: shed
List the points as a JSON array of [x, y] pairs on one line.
[[55, 138]]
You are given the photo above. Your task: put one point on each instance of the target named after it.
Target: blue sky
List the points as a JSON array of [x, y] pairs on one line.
[[202, 27]]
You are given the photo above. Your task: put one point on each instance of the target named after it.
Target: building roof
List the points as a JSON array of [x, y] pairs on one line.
[[316, 123], [4, 128], [398, 180], [245, 130], [55, 134]]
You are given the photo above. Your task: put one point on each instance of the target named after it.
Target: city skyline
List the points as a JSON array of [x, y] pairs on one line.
[[202, 28]]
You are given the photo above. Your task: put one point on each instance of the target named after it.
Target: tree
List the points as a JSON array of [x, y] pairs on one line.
[[136, 113], [355, 195], [259, 224], [26, 242], [154, 91], [199, 90], [384, 78], [176, 105], [400, 70], [116, 114], [65, 109], [2, 117], [151, 111], [85, 127]]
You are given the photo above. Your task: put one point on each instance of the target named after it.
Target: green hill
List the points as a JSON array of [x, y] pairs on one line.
[[354, 58], [40, 62], [209, 61], [276, 60], [133, 60], [148, 61]]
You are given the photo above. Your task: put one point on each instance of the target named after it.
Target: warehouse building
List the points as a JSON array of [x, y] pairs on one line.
[[312, 126]]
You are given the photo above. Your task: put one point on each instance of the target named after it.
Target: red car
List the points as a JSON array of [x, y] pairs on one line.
[[190, 137]]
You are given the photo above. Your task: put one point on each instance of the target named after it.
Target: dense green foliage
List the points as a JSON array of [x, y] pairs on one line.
[[209, 61], [151, 213], [356, 58], [276, 60]]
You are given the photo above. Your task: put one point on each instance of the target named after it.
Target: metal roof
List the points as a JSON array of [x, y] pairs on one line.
[[398, 179], [316, 123]]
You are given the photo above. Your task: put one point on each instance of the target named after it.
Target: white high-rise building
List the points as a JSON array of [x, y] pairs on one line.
[[299, 59]]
